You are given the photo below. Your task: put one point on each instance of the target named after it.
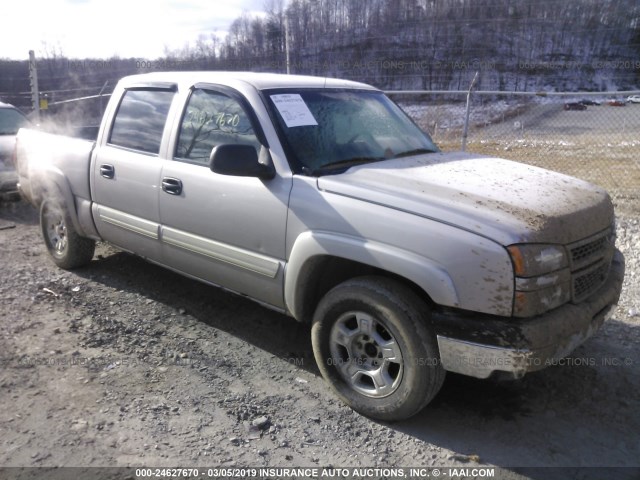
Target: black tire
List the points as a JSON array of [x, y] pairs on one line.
[[67, 249], [398, 320]]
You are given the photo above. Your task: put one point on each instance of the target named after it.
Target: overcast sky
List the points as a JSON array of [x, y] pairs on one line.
[[104, 28]]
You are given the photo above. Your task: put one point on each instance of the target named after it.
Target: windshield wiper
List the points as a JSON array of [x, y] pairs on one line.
[[416, 151], [349, 162]]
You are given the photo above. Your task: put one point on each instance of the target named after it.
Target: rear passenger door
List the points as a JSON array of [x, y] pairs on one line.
[[126, 172], [223, 229]]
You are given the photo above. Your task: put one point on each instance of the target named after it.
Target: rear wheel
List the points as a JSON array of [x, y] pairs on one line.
[[67, 249], [374, 345]]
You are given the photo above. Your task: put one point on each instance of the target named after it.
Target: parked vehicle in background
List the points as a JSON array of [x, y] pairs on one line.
[[633, 99], [321, 199], [616, 103], [590, 103], [575, 106], [11, 120]]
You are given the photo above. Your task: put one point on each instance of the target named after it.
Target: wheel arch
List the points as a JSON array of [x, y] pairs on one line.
[[51, 182], [319, 261]]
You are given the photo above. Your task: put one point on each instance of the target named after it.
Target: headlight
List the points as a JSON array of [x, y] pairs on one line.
[[533, 260], [543, 278]]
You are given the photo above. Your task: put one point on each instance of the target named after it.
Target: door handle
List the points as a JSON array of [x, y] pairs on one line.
[[172, 186], [107, 171]]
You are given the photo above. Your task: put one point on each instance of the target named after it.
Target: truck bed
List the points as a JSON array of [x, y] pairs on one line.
[[42, 155]]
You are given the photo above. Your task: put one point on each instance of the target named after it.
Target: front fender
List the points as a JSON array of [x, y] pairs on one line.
[[424, 272]]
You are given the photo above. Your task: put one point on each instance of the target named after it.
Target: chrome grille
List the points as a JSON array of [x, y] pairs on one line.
[[590, 263]]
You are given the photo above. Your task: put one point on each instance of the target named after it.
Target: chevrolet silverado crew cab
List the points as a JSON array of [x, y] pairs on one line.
[[321, 199]]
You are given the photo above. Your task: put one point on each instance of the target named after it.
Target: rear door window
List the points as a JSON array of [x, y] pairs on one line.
[[140, 120]]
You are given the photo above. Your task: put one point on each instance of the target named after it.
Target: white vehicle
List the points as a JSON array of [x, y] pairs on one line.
[[633, 99]]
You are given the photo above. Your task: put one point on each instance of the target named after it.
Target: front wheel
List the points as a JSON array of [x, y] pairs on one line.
[[67, 249], [374, 346]]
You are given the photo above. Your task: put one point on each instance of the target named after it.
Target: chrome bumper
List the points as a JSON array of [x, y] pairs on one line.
[[542, 340]]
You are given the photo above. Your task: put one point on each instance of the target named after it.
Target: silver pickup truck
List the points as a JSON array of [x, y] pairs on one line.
[[321, 199]]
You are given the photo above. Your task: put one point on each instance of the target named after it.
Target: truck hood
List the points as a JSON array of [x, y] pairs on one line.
[[505, 201]]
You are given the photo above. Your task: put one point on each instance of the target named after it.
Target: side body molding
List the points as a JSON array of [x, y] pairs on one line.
[[128, 222], [428, 275]]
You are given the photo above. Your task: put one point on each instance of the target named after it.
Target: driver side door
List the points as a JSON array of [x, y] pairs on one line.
[[225, 230]]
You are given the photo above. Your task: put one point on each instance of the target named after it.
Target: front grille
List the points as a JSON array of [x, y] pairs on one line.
[[585, 283], [590, 262], [590, 250], [584, 252]]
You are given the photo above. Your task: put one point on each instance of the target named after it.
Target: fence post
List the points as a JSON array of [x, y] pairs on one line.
[[35, 93], [100, 97], [465, 132]]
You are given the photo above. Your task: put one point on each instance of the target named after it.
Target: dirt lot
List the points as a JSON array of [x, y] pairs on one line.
[[123, 363]]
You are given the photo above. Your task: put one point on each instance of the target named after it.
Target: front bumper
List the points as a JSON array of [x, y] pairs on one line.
[[479, 346]]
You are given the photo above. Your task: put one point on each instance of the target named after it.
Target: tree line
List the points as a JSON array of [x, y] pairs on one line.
[[439, 44]]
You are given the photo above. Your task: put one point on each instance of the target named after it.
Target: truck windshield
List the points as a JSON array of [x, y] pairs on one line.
[[329, 131], [11, 121]]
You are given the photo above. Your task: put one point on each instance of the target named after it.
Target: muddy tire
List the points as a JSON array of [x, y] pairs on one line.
[[374, 345], [67, 249]]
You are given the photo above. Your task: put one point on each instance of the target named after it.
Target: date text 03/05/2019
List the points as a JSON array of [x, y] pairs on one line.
[[314, 472]]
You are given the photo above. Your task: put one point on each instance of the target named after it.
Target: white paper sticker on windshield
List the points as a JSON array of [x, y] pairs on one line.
[[293, 110]]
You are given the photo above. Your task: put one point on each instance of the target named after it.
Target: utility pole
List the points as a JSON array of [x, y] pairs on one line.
[[33, 79]]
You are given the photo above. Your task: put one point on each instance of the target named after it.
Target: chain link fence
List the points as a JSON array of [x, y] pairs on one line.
[[595, 137]]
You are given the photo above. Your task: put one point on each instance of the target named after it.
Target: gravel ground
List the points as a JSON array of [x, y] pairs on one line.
[[123, 363]]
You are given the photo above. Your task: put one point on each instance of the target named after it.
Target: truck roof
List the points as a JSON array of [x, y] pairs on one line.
[[260, 81]]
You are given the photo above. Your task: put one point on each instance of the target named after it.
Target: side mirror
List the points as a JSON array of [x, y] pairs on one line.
[[241, 161]]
